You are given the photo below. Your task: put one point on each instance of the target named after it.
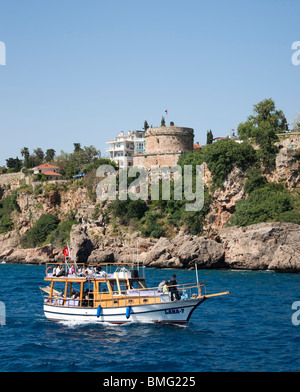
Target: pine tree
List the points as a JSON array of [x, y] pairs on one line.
[[146, 125], [209, 137]]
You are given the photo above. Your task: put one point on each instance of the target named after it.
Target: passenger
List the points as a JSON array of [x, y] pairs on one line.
[[57, 271], [161, 285], [72, 270], [72, 294], [60, 272], [173, 288], [87, 271], [86, 294], [166, 287]]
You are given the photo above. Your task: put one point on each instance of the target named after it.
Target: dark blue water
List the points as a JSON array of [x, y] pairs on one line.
[[250, 330]]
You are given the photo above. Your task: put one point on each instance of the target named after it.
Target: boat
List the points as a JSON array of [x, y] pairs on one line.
[[116, 294]]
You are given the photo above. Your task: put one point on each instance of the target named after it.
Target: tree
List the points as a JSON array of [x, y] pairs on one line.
[[163, 122], [263, 126], [14, 163], [146, 126], [25, 154], [49, 156], [38, 156], [209, 137], [77, 147]]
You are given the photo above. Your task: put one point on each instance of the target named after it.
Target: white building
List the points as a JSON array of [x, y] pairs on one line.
[[122, 148]]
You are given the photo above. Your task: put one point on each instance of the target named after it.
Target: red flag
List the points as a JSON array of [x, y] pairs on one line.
[[166, 112], [66, 252]]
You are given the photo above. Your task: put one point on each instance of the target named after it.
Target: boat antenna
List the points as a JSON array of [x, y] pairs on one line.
[[196, 269]]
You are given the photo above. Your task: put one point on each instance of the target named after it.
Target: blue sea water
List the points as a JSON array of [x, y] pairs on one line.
[[250, 330]]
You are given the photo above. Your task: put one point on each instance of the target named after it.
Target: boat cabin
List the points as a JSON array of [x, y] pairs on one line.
[[105, 285]]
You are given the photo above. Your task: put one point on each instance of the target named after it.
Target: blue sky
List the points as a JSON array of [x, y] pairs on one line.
[[82, 71]]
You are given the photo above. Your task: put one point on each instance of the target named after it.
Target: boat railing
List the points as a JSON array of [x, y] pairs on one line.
[[153, 295], [75, 270], [69, 302]]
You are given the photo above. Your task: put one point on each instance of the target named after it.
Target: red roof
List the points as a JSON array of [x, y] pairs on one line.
[[45, 165], [51, 173], [197, 145]]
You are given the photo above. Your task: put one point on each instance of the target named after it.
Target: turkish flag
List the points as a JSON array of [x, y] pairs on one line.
[[66, 252]]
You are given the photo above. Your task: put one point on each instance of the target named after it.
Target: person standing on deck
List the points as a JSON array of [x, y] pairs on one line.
[[173, 288]]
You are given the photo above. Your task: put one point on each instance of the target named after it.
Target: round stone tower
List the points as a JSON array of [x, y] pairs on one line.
[[164, 145]]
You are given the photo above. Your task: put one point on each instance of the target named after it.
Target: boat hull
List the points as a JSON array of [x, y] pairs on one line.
[[177, 312]]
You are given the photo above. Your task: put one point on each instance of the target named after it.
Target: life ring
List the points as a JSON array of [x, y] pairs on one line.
[[48, 269]]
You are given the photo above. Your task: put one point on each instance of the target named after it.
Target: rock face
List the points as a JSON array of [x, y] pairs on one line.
[[287, 162], [80, 244], [39, 255], [181, 252], [224, 200], [184, 251], [274, 246]]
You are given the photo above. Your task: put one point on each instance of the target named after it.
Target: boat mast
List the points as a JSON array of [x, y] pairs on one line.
[[137, 255]]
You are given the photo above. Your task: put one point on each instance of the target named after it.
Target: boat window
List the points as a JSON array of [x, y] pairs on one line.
[[58, 289], [113, 285], [73, 291], [103, 288], [123, 285], [142, 285], [137, 285]]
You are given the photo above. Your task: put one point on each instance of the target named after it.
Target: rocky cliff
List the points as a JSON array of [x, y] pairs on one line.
[[273, 246]]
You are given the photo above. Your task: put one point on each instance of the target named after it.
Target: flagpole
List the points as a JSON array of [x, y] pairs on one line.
[[71, 257]]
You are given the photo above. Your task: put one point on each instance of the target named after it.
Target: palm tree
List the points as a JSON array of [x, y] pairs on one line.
[[25, 154]]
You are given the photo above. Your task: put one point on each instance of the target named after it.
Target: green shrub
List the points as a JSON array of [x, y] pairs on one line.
[[254, 180], [5, 224], [61, 235], [40, 231], [290, 217], [7, 206], [152, 228], [128, 209], [264, 204]]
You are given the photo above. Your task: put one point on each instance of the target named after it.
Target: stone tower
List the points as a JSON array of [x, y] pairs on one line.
[[164, 145]]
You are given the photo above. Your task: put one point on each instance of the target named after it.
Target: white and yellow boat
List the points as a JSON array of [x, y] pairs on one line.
[[116, 294]]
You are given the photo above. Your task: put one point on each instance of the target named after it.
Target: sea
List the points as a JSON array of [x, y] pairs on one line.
[[254, 329]]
